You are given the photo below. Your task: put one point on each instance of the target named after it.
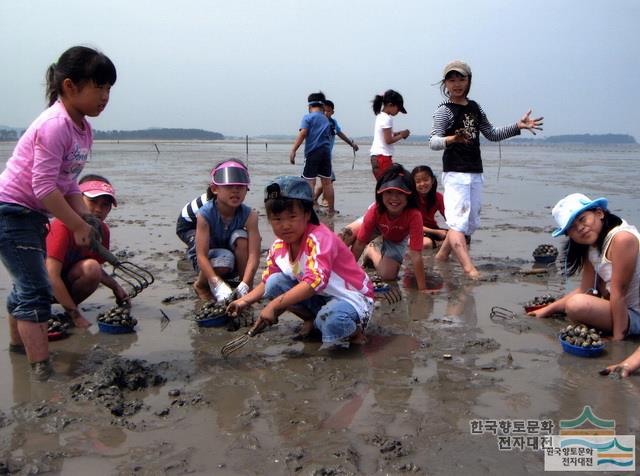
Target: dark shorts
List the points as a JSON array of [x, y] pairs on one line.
[[317, 164]]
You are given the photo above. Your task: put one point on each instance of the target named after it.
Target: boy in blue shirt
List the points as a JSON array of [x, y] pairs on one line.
[[315, 132]]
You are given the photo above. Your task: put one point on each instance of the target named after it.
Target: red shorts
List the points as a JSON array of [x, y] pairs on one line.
[[382, 162]]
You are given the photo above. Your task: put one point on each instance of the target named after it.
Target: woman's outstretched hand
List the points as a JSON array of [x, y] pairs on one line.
[[532, 125]]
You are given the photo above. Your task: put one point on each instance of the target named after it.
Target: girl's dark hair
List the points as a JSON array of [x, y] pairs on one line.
[[443, 88], [397, 170], [81, 65], [273, 206], [316, 98], [431, 194], [390, 97], [576, 253], [93, 177], [329, 103]]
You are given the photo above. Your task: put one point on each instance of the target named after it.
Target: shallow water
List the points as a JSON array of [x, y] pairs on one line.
[[283, 407]]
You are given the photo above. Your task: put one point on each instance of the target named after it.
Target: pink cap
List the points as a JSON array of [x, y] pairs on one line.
[[97, 188]]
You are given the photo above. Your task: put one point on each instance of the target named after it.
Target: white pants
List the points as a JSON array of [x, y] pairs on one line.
[[463, 200]]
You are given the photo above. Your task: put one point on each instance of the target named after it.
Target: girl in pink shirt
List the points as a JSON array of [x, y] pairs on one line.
[[395, 216], [40, 180], [310, 271]]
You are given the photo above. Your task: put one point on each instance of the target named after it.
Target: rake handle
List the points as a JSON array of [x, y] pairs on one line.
[[104, 253]]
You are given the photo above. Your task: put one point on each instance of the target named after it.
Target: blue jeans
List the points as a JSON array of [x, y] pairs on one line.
[[23, 253], [335, 319]]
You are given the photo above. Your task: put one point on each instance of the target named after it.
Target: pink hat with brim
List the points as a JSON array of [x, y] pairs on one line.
[[96, 188]]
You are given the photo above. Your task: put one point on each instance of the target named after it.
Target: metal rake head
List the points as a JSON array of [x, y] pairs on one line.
[[233, 345], [137, 277], [498, 312], [241, 341], [392, 296]]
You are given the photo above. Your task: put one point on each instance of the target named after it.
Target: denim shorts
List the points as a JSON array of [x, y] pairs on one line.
[[394, 250], [634, 322], [23, 252], [220, 257], [335, 319]]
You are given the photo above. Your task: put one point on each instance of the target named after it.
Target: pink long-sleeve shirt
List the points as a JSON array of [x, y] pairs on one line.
[[50, 155]]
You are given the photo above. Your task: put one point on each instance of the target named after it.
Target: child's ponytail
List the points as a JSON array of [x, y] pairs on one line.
[[377, 104], [51, 92], [81, 65]]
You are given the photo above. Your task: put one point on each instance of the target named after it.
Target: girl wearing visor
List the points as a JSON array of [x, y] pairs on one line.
[[75, 272], [396, 217], [227, 235], [605, 248]]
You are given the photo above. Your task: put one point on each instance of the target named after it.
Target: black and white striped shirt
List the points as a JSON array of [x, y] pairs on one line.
[[443, 119]]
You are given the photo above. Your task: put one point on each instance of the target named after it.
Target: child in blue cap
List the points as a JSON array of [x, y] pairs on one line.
[[309, 271]]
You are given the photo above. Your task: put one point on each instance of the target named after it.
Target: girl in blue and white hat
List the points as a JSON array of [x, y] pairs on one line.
[[606, 249]]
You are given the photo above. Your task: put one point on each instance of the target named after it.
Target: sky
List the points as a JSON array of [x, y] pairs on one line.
[[246, 67]]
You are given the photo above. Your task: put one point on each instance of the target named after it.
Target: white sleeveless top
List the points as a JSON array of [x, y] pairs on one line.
[[604, 269]]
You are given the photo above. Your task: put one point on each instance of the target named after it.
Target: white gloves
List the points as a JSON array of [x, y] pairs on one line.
[[220, 290], [242, 289]]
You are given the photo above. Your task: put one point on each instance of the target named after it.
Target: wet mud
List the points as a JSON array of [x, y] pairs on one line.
[[163, 400]]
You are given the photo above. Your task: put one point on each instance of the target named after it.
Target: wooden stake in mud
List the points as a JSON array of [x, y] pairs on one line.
[[246, 145], [156, 146], [499, 158]]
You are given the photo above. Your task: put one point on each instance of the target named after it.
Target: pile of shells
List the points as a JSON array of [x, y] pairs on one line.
[[59, 323], [211, 310], [118, 316], [540, 301], [581, 336], [545, 250], [378, 283]]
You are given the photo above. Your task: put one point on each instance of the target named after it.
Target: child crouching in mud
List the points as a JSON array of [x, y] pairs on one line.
[[309, 271]]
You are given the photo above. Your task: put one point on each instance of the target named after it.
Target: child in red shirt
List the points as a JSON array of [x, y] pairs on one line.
[[75, 272], [430, 201], [395, 216]]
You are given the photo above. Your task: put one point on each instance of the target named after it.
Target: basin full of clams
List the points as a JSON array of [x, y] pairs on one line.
[[212, 314], [581, 340], [545, 254], [117, 320]]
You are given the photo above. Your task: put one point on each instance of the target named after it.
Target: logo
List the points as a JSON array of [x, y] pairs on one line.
[[590, 443]]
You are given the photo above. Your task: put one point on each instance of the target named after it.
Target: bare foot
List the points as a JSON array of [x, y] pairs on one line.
[[358, 337], [202, 292], [307, 327], [80, 322], [474, 274]]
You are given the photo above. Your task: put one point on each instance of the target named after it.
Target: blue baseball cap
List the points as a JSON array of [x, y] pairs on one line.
[[290, 186]]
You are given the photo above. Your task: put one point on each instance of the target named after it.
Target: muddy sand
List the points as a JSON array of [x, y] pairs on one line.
[[163, 400]]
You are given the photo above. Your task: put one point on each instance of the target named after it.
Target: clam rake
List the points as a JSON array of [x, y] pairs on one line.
[[241, 341], [136, 277]]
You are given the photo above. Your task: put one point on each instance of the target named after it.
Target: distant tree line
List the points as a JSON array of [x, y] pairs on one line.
[[8, 135], [158, 134]]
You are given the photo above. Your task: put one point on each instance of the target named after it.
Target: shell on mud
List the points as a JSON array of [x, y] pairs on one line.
[[581, 335], [545, 250], [211, 310], [377, 282], [541, 300], [118, 316], [59, 323]]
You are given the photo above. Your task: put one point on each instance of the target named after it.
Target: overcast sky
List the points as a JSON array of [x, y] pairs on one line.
[[246, 67]]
